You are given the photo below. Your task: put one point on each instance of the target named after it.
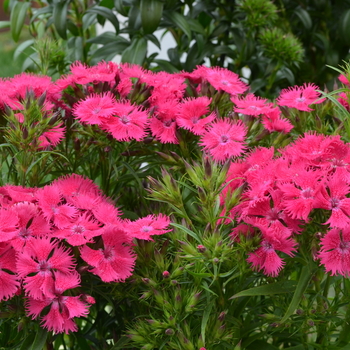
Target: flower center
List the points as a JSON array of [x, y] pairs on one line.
[[44, 266], [97, 110], [300, 99], [78, 229], [146, 228], [167, 123], [124, 119], [335, 203], [108, 253], [24, 233], [307, 193], [224, 139]]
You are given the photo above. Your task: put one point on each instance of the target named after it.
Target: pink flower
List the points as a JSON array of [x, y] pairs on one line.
[[8, 280], [39, 263], [103, 71], [128, 123], [335, 198], [222, 79], [344, 100], [251, 105], [8, 225], [265, 258], [95, 108], [63, 309], [163, 124], [78, 191], [80, 231], [31, 223], [115, 261], [52, 137], [49, 200], [224, 139], [273, 121], [335, 251], [300, 97], [191, 112], [148, 226], [344, 79]]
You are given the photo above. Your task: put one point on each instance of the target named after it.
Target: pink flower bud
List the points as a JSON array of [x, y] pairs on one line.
[[201, 248], [166, 274]]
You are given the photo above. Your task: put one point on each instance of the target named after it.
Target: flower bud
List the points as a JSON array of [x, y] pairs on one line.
[[169, 331], [201, 248], [166, 274]]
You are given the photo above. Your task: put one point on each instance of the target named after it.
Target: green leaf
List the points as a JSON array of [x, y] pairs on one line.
[[60, 11], [188, 231], [199, 274], [107, 14], [180, 21], [304, 17], [205, 318], [344, 26], [136, 52], [108, 51], [306, 274], [40, 339], [261, 345], [21, 47], [268, 289], [5, 24], [166, 66], [151, 13], [41, 11], [18, 15], [108, 38]]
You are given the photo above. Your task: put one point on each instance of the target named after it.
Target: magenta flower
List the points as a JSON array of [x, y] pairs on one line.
[[63, 309], [251, 105], [192, 115], [224, 139], [144, 228], [8, 225], [128, 123], [114, 262], [335, 251], [95, 109], [8, 279], [39, 263], [50, 202], [265, 258], [222, 79], [79, 231], [300, 97]]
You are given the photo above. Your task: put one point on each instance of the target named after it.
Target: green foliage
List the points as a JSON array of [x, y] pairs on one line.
[[284, 43]]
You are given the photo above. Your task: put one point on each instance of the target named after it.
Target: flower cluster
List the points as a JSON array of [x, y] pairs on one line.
[[282, 194], [40, 228]]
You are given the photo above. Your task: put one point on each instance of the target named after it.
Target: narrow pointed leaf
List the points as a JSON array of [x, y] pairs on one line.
[[180, 21], [136, 52], [268, 289], [306, 274]]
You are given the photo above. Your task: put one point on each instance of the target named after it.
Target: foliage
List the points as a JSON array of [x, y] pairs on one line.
[[284, 43]]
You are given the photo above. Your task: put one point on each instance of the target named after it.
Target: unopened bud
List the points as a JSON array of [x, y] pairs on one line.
[[169, 331], [222, 316], [201, 248], [166, 274]]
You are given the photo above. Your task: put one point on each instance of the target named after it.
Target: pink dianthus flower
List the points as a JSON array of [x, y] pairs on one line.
[[224, 139], [300, 97]]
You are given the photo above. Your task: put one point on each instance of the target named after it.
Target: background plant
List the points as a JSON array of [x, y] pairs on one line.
[[282, 43]]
